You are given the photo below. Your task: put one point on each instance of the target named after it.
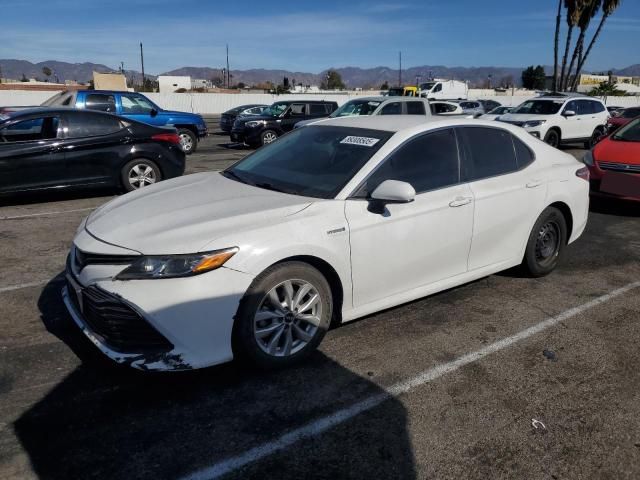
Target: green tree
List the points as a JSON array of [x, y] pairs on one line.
[[555, 47], [606, 89], [47, 71], [589, 10], [533, 78], [384, 86], [608, 7], [574, 10], [24, 78], [333, 81]]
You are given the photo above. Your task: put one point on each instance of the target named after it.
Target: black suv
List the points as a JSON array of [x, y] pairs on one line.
[[278, 119]]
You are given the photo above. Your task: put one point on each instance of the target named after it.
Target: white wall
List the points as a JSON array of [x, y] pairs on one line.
[[216, 103], [169, 83]]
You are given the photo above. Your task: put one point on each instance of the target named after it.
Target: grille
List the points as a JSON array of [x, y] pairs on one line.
[[121, 327], [82, 259], [619, 167]]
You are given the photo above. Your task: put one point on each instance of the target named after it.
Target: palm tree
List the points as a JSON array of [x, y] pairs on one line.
[[589, 10], [573, 17], [555, 47], [608, 7]]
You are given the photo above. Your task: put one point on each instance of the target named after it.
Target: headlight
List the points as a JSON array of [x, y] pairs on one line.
[[588, 158], [172, 266], [533, 123], [255, 123]]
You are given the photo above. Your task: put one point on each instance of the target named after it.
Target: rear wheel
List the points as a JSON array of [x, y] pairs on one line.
[[552, 138], [268, 136], [140, 173], [283, 316], [546, 243], [188, 140], [595, 137]]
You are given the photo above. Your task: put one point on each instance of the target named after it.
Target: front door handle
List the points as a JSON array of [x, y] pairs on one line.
[[460, 201], [534, 184]]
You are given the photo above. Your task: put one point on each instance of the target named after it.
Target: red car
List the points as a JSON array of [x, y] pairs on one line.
[[614, 164], [624, 117]]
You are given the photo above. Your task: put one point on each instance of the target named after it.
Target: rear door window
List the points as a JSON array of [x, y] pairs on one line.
[[100, 102], [415, 108], [488, 152], [597, 107], [34, 129], [317, 109], [79, 126], [393, 108]]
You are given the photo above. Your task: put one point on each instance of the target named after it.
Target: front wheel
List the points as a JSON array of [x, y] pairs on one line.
[[188, 140], [597, 134], [546, 243], [283, 316], [140, 173], [552, 138], [268, 136]]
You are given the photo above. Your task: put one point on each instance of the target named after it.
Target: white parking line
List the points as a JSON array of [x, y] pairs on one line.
[[23, 285], [323, 424], [43, 214]]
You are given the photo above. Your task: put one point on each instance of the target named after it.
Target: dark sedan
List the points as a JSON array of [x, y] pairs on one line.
[[58, 148], [228, 117]]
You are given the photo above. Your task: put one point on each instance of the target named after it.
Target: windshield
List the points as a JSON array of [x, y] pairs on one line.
[[427, 86], [396, 92], [356, 108], [275, 110], [499, 110], [629, 133], [539, 107], [312, 161], [631, 113]]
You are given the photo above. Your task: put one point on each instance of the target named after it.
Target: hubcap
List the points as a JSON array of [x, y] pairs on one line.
[[269, 137], [548, 242], [141, 175], [186, 141], [288, 318]]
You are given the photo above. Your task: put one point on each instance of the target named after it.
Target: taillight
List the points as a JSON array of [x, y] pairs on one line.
[[167, 137], [583, 173]]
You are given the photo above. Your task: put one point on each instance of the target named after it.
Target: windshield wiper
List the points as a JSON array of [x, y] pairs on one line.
[[268, 186]]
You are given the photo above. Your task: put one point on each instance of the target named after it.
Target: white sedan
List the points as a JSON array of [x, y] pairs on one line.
[[330, 223]]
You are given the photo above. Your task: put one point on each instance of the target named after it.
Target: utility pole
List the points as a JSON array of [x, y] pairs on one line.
[[142, 62], [228, 73], [400, 69]]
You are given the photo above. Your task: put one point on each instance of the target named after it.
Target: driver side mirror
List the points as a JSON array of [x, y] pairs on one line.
[[569, 113], [394, 191], [153, 112]]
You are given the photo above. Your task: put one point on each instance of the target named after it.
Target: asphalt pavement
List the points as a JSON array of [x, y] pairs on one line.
[[505, 377]]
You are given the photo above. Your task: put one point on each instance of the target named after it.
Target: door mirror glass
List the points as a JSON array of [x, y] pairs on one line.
[[569, 113], [394, 191]]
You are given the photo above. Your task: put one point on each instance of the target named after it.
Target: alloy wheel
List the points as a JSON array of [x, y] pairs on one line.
[[186, 142], [269, 137], [141, 175], [288, 318]]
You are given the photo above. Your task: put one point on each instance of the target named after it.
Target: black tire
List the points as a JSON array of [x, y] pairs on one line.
[[595, 136], [268, 136], [552, 138], [190, 144], [546, 243], [143, 166], [245, 344]]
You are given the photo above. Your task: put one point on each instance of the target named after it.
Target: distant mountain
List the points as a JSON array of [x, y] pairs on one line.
[[352, 76]]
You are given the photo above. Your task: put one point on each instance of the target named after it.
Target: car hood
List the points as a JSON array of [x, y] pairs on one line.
[[185, 214], [609, 150]]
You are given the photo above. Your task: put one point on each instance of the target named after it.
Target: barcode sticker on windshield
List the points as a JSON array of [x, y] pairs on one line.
[[362, 141]]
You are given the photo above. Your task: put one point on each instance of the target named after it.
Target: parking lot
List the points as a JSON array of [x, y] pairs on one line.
[[506, 377]]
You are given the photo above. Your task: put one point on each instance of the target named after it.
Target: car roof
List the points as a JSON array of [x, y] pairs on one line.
[[36, 111]]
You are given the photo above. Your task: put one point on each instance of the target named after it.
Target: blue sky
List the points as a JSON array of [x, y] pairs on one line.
[[299, 35]]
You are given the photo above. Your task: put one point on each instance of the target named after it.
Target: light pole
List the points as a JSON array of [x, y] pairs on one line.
[[142, 63]]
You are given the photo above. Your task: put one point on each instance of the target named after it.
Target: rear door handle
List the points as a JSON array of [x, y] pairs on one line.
[[534, 184], [460, 201]]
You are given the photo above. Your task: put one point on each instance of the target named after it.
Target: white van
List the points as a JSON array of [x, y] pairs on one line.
[[444, 90]]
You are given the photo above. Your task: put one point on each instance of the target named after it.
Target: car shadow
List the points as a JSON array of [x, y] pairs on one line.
[[614, 206], [57, 196], [107, 422]]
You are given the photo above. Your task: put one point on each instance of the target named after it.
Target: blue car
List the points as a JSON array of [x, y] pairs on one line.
[[191, 127]]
